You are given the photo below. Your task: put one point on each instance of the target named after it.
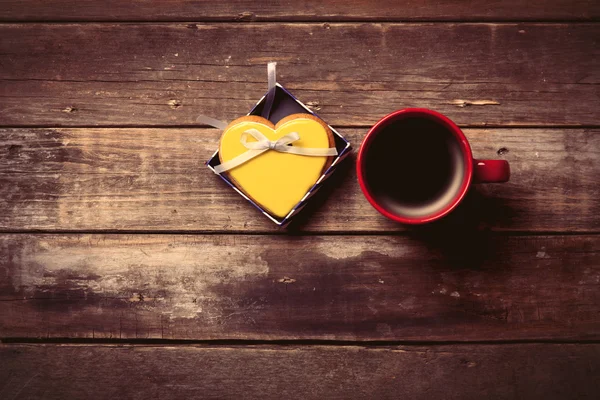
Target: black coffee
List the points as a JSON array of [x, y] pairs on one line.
[[414, 167]]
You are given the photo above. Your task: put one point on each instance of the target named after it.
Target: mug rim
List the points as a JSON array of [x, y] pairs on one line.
[[465, 150]]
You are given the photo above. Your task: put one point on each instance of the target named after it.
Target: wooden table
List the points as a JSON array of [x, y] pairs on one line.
[[129, 271]]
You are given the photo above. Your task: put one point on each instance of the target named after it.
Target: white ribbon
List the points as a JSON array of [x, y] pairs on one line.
[[271, 83], [264, 144], [206, 120]]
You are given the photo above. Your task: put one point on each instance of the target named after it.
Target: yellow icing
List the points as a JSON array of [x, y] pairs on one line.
[[277, 181]]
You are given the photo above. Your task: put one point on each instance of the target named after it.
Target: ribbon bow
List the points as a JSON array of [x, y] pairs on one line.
[[263, 144]]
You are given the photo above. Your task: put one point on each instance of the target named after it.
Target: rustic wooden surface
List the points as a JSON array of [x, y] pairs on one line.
[[145, 179], [128, 270], [525, 74], [560, 371], [418, 287]]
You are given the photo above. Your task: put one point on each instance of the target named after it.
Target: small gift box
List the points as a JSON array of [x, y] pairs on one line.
[[281, 104]]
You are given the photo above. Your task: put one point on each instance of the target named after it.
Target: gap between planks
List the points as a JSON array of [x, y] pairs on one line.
[[305, 21], [282, 232], [341, 127], [285, 343]]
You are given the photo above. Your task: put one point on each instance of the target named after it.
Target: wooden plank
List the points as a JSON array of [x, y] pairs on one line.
[[436, 286], [353, 73], [153, 179], [527, 371], [313, 10]]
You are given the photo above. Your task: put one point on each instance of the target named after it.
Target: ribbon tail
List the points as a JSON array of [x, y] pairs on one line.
[[239, 160], [271, 82], [205, 119], [308, 151]]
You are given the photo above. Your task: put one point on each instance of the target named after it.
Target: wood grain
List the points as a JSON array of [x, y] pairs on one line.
[[424, 286], [278, 10], [352, 73], [548, 371], [153, 179]]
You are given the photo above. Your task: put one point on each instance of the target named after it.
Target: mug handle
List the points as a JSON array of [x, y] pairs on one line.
[[490, 171]]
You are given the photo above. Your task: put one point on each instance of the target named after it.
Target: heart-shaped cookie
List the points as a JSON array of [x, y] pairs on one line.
[[275, 180]]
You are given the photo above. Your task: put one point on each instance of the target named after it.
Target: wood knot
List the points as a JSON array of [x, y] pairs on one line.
[[70, 109], [14, 150], [246, 16], [467, 103], [502, 151], [467, 363], [174, 104], [313, 105], [137, 297]]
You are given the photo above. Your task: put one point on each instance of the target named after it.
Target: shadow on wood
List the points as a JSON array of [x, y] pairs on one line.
[[463, 237]]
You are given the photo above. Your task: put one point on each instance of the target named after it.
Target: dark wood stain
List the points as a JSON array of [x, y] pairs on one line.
[[423, 286]]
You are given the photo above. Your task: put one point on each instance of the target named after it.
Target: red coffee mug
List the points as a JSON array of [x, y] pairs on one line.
[[415, 166]]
